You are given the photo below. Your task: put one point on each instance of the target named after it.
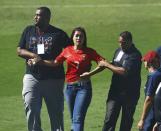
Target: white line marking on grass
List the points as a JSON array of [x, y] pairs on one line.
[[84, 6]]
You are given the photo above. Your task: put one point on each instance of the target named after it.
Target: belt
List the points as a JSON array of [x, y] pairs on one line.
[[78, 83]]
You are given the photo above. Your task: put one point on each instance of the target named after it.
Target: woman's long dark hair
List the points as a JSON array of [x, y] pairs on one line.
[[81, 29]]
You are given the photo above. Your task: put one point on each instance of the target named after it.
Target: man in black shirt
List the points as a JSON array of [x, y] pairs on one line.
[[125, 86], [43, 41]]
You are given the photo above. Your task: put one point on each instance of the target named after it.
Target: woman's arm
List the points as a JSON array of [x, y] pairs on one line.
[[93, 72], [51, 63]]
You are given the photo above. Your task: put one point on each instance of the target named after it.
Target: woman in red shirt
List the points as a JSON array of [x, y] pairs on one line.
[[78, 88]]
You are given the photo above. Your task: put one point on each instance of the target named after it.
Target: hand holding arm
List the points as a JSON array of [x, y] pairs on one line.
[[34, 61], [38, 61], [93, 72], [113, 68]]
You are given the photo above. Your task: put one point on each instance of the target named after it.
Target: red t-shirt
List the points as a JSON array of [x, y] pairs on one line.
[[78, 61]]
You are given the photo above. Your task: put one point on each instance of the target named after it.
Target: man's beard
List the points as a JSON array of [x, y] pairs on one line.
[[39, 25]]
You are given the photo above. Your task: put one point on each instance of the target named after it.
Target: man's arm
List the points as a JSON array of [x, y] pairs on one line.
[[25, 53], [114, 69]]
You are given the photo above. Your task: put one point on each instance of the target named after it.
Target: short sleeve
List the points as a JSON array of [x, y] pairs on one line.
[[61, 57], [22, 42], [152, 86], [95, 56]]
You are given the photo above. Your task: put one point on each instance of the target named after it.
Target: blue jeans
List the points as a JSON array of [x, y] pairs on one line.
[[78, 97], [149, 120]]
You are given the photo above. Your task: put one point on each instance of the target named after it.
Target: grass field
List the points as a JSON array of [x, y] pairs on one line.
[[103, 20]]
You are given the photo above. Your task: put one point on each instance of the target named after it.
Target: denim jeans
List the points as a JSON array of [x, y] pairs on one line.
[[149, 120], [51, 90], [78, 97]]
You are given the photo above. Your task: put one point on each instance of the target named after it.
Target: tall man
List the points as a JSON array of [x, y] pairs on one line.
[[125, 86], [43, 41]]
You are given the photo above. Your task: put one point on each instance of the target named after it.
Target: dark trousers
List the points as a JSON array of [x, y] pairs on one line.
[[113, 107]]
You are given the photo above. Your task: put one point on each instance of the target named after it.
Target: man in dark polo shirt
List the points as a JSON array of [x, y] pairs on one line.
[[125, 86], [43, 41]]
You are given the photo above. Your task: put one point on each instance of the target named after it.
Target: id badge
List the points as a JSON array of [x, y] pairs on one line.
[[119, 56], [40, 49]]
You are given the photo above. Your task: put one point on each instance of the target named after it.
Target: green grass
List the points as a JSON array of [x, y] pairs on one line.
[[103, 20]]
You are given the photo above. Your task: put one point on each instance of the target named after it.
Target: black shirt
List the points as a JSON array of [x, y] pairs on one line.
[[128, 84], [54, 40]]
